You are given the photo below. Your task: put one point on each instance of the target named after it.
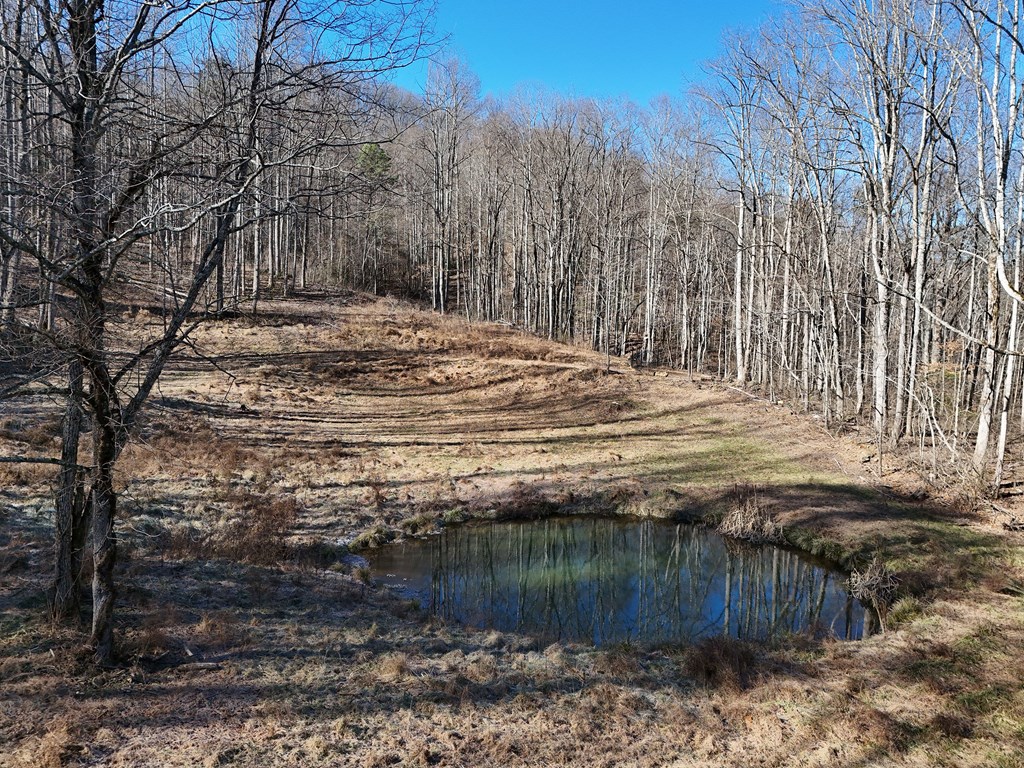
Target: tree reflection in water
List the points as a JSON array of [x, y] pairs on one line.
[[608, 581]]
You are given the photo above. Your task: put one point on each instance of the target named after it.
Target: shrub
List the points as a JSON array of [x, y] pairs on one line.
[[372, 538], [903, 611], [258, 534], [874, 586], [422, 523], [751, 520]]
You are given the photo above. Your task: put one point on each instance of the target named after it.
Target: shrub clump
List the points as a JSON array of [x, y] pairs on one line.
[[258, 534], [752, 521], [372, 538], [875, 586]]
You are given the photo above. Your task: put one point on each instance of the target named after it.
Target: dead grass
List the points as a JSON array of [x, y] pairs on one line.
[[258, 531], [392, 667], [155, 635], [353, 415], [721, 662], [37, 432], [751, 520], [25, 474], [57, 747], [221, 630]]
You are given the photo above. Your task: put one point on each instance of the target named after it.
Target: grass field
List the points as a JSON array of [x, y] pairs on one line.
[[249, 638]]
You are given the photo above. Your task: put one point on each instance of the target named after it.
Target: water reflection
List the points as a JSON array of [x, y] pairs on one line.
[[606, 581]]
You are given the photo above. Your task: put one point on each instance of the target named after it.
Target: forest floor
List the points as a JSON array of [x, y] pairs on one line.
[[249, 639]]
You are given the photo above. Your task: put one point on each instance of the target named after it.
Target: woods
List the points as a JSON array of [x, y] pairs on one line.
[[136, 135], [353, 412], [833, 218]]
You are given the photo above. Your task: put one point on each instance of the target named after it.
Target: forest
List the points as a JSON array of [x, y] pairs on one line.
[[832, 216], [828, 223]]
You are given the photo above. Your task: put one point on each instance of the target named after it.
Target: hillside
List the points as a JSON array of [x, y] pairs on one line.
[[275, 444]]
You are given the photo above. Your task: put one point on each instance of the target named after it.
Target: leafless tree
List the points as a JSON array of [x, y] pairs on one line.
[[161, 120]]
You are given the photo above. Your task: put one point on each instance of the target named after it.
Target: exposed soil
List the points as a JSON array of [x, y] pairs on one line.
[[249, 638]]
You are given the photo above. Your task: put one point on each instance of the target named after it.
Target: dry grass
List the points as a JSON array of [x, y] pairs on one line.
[[258, 530], [751, 520], [59, 746], [221, 630], [721, 662], [355, 416], [392, 667], [37, 432], [260, 534], [25, 474]]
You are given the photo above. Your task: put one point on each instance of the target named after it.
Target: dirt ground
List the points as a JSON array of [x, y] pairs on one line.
[[276, 444]]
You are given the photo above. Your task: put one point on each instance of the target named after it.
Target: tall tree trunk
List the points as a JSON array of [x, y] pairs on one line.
[[986, 401], [104, 542], [70, 513], [741, 358]]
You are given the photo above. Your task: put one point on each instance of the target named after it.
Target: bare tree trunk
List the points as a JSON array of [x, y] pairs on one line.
[[741, 358], [104, 541], [70, 512]]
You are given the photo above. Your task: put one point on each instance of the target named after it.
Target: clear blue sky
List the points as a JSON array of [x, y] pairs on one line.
[[603, 48]]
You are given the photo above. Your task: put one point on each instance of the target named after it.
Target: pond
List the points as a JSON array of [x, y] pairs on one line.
[[603, 581]]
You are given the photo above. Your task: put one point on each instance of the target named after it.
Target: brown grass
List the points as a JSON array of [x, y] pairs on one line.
[[221, 630], [258, 531], [57, 747], [358, 415], [721, 662], [751, 520], [392, 667], [155, 635], [26, 474], [39, 433]]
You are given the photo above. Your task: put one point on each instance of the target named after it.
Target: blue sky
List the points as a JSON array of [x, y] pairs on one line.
[[603, 48]]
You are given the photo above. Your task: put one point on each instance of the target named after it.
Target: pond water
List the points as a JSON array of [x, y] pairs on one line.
[[607, 581]]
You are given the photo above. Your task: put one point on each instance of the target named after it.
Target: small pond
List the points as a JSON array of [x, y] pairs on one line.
[[603, 581]]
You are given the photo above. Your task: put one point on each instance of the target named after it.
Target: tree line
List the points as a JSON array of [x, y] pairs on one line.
[[832, 217]]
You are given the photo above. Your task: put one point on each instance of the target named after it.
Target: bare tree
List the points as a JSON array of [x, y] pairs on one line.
[[167, 117]]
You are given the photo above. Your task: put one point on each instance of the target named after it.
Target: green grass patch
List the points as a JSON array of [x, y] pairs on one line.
[[719, 460], [983, 701], [932, 668], [940, 553]]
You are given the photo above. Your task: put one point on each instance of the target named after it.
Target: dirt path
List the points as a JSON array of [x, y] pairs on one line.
[[328, 418]]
